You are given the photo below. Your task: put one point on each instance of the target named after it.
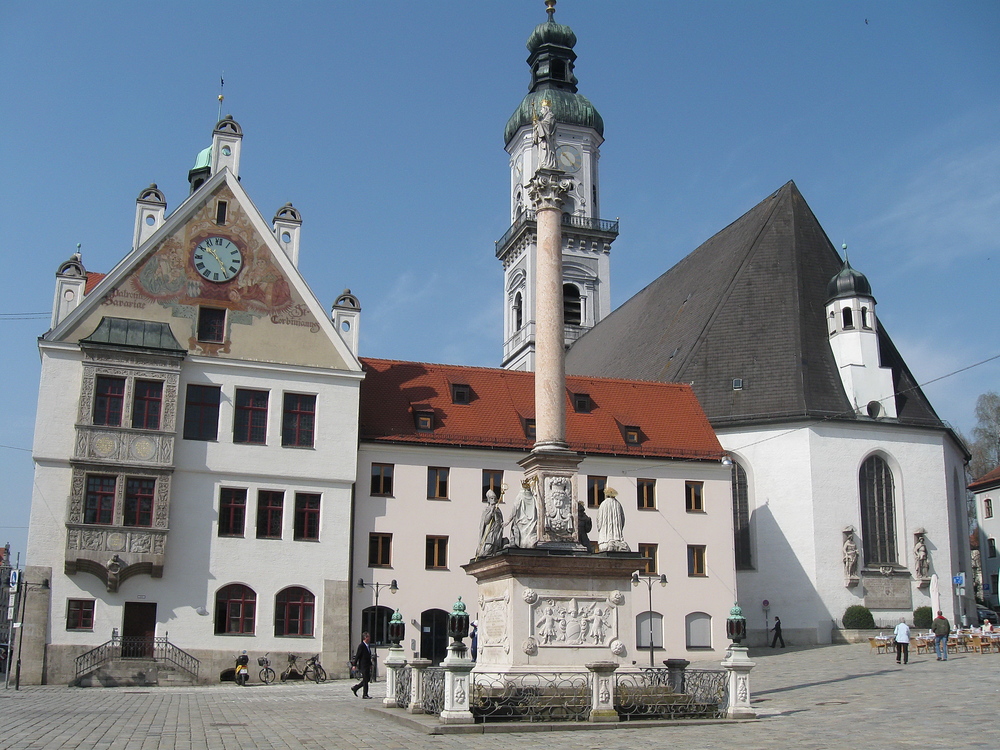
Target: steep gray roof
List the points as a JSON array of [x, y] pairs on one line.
[[748, 303]]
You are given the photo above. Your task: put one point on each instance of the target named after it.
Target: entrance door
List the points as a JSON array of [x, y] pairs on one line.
[[434, 635], [138, 630]]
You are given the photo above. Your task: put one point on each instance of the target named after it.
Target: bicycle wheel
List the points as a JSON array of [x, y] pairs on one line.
[[315, 673], [267, 675], [320, 674]]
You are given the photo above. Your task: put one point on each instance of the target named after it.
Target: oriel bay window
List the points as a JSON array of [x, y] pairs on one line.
[[99, 504], [146, 403], [269, 507], [139, 493], [250, 419], [109, 400]]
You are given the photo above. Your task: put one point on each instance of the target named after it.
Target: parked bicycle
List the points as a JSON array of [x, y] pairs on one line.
[[267, 674], [314, 670]]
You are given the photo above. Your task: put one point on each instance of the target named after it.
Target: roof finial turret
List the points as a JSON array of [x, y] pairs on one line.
[[550, 8], [847, 260]]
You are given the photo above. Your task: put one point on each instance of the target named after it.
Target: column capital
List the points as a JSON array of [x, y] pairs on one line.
[[547, 189]]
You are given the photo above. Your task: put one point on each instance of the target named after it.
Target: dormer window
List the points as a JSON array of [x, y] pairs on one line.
[[460, 393], [529, 428], [424, 421], [582, 403], [632, 435]]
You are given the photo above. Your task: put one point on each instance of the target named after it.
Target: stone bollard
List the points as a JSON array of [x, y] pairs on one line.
[[602, 693], [738, 664], [675, 674], [393, 663], [417, 685], [457, 686]]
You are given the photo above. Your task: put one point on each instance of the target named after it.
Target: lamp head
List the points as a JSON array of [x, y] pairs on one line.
[[393, 588], [635, 578]]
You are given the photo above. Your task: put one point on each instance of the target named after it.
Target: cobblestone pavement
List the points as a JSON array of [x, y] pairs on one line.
[[825, 697]]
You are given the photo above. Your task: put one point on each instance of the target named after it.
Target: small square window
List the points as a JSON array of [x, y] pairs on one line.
[[737, 384], [211, 325], [379, 550], [460, 393], [696, 561], [645, 494], [437, 483], [529, 428], [693, 497], [80, 614], [582, 403], [424, 421], [633, 436]]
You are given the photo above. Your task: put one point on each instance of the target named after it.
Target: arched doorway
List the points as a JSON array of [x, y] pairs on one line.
[[434, 635]]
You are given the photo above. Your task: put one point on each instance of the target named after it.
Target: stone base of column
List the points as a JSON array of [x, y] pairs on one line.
[[394, 662], [738, 664], [457, 686], [551, 472], [602, 694]]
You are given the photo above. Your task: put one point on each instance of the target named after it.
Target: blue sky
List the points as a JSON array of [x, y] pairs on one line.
[[383, 123]]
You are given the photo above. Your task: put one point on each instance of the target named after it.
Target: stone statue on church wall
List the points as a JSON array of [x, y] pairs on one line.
[[921, 559], [490, 528], [850, 557], [611, 524], [544, 136], [524, 519]]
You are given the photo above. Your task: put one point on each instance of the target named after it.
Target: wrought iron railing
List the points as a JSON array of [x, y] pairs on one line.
[[404, 676], [531, 696], [433, 690], [608, 226], [137, 647], [654, 694]]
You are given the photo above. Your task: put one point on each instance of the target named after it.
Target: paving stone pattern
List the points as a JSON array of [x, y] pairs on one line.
[[826, 697]]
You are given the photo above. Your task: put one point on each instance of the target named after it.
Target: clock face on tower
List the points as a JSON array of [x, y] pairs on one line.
[[569, 158], [217, 259]]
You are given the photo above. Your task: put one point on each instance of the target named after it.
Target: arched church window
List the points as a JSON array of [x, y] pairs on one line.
[[988, 508], [848, 317], [741, 518], [864, 318], [518, 312], [572, 305], [878, 513]]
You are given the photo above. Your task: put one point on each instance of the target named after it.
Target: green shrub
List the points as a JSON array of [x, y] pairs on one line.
[[922, 617], [858, 617]]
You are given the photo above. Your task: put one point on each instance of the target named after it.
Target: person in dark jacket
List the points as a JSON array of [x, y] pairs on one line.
[[777, 633], [363, 661]]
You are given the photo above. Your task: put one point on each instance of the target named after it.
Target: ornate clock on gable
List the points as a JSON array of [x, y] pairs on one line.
[[217, 259]]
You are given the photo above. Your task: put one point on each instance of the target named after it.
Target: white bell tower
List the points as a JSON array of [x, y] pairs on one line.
[[853, 331], [586, 238]]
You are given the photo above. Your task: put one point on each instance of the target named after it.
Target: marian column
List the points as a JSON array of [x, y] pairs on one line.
[[551, 467]]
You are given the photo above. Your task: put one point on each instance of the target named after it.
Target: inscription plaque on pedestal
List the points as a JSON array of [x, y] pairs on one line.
[[887, 592]]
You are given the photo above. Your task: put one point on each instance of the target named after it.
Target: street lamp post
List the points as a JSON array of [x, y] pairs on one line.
[[377, 588], [649, 581]]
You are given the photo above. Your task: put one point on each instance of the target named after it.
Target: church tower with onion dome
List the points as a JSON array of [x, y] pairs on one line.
[[586, 238]]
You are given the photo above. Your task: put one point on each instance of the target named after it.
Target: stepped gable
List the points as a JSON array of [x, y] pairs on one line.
[[670, 421], [748, 303]]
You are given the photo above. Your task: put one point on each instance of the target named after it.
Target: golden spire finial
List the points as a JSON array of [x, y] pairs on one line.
[[550, 8]]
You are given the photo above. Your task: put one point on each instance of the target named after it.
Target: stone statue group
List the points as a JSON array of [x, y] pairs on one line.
[[522, 525]]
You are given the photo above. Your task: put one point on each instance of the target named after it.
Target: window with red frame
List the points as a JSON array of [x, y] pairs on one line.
[[99, 505], [109, 398], [139, 493], [293, 612], [269, 507], [306, 516], [201, 412], [298, 421], [146, 403], [250, 420], [80, 614], [235, 610], [232, 511]]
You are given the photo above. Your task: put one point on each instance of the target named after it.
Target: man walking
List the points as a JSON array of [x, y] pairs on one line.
[[902, 635], [363, 661], [941, 629], [777, 633]]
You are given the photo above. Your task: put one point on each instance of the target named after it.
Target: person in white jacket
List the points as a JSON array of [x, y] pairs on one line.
[[902, 634]]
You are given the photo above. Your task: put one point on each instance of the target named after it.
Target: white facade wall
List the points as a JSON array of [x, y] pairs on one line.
[[410, 517], [803, 491], [989, 530]]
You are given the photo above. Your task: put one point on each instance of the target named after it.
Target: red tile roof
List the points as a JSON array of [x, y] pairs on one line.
[[987, 480], [669, 417], [93, 279]]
